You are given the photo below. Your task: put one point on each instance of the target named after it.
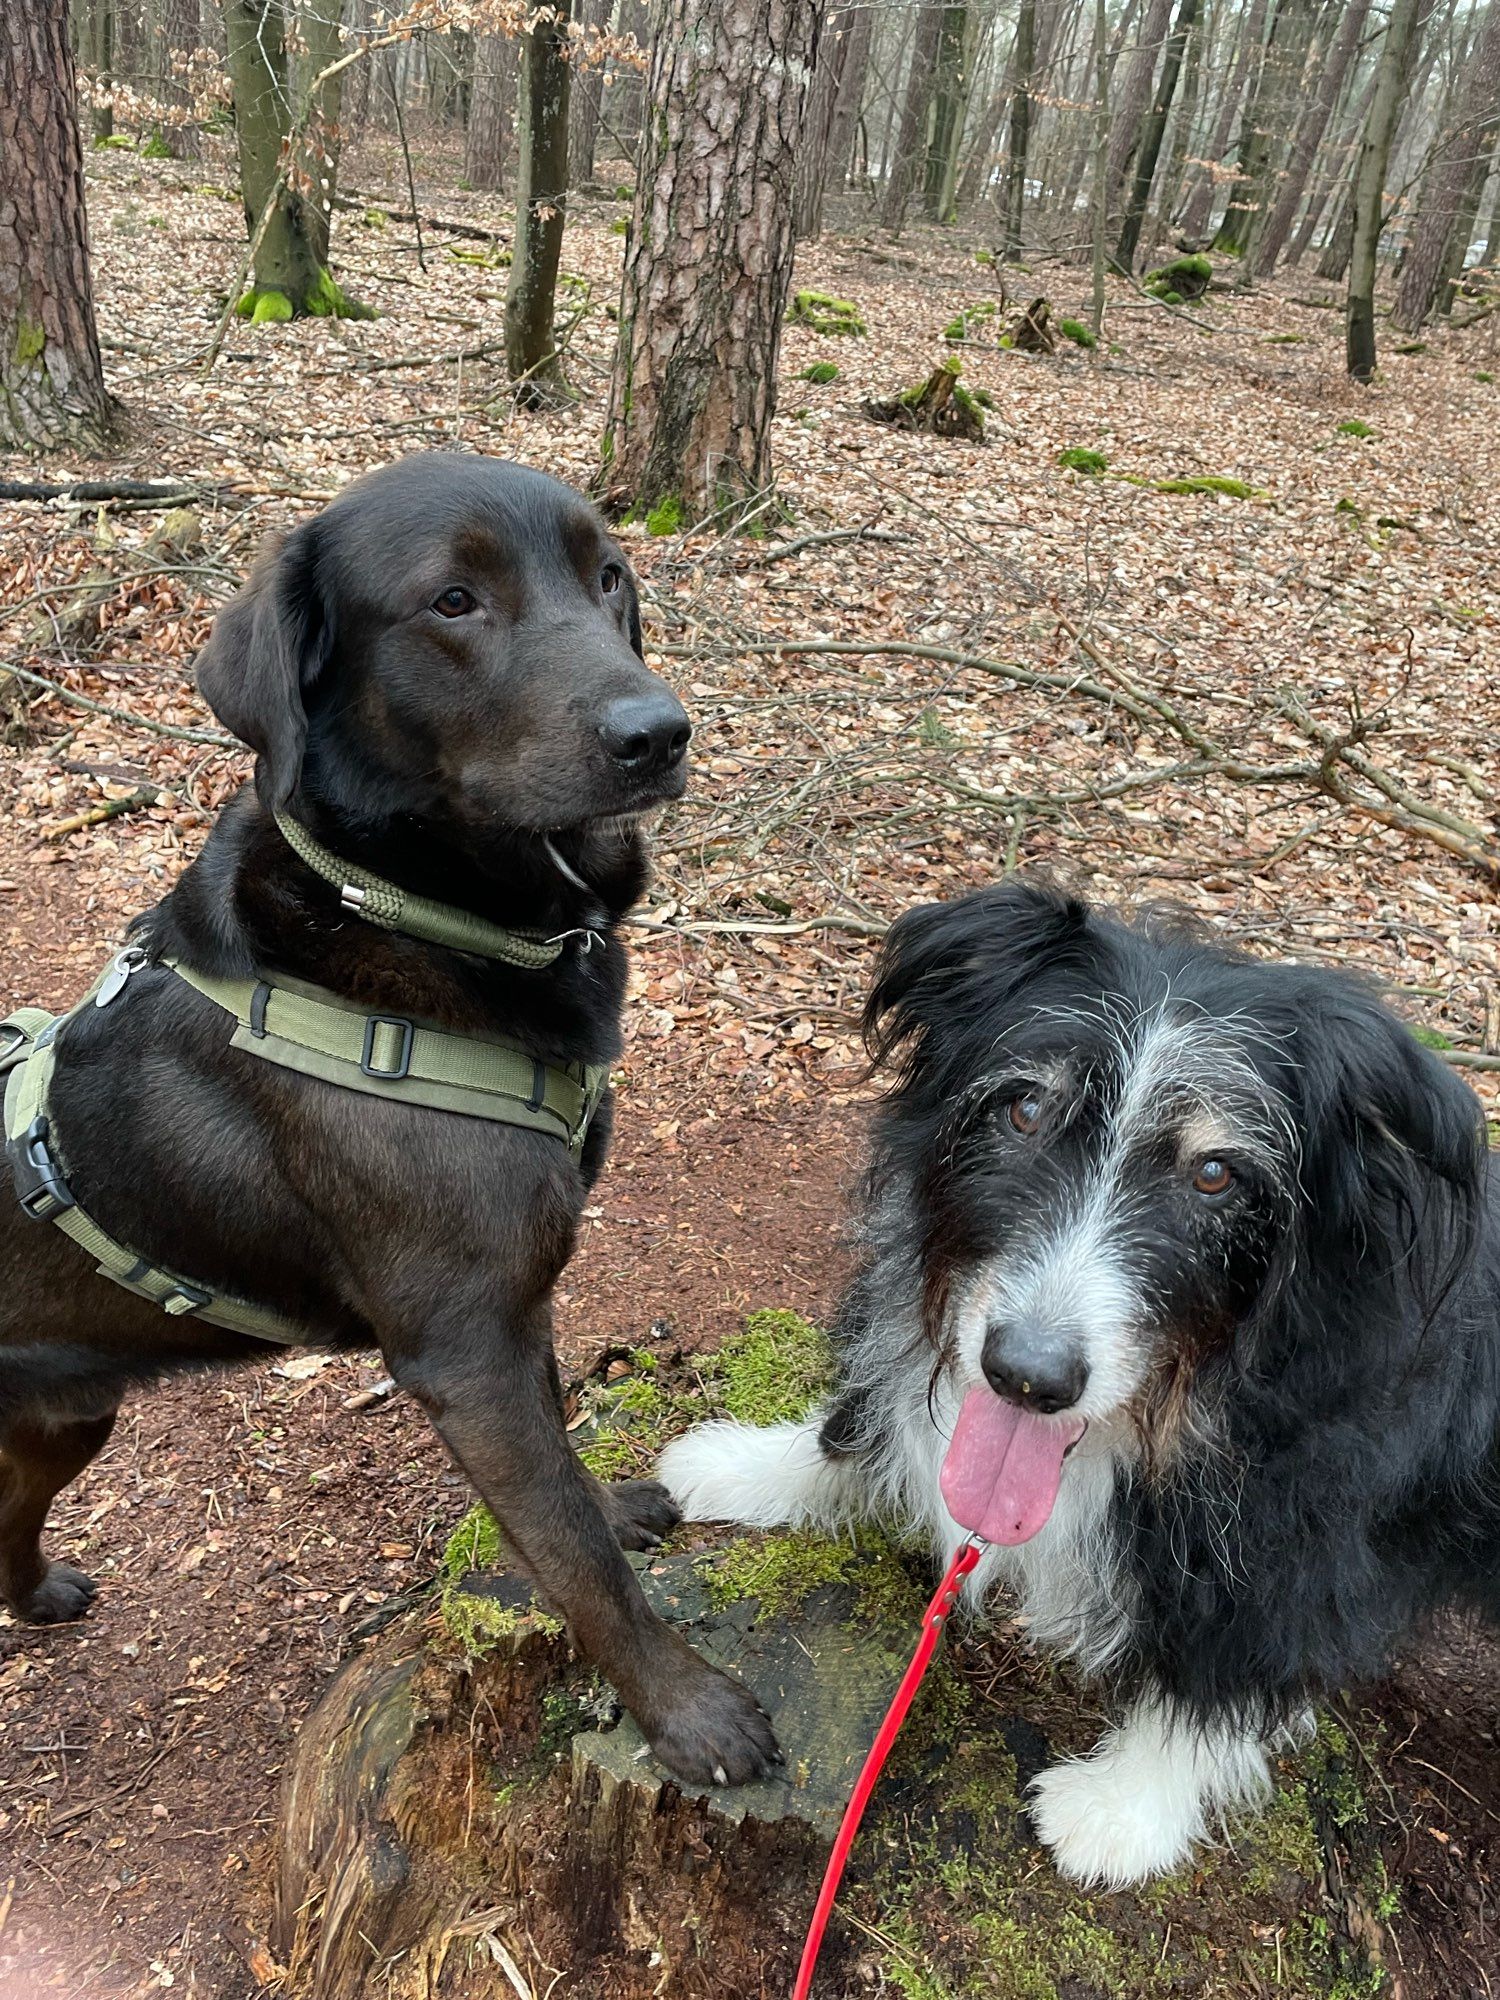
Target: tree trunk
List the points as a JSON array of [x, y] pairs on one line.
[[902, 168], [815, 156], [1100, 202], [709, 264], [1199, 211], [102, 62], [588, 92], [1450, 279], [850, 99], [541, 197], [290, 276], [1133, 98], [1310, 130], [1369, 187], [952, 83], [1023, 67], [318, 28], [1269, 113], [1467, 132], [1489, 256], [630, 124], [488, 140], [1153, 131], [52, 392]]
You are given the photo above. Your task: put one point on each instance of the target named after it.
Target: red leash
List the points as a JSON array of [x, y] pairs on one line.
[[934, 1618]]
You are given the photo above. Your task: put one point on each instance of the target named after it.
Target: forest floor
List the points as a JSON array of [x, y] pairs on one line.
[[939, 661]]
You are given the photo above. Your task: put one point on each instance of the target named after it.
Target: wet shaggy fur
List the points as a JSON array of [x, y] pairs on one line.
[[443, 678], [1291, 1381]]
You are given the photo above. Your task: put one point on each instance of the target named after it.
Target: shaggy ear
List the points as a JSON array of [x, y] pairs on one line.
[[268, 647], [949, 964]]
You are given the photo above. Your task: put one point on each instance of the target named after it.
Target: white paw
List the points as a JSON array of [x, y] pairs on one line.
[[1107, 1825], [735, 1472]]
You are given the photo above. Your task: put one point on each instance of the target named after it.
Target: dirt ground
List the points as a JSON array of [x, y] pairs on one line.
[[247, 1531]]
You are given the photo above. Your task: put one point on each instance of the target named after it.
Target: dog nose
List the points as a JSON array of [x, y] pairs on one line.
[[1040, 1371], [645, 733]]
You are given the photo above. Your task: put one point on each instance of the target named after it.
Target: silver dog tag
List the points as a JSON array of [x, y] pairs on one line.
[[130, 960]]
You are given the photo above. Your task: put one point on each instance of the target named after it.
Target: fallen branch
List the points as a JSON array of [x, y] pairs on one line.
[[441, 222], [90, 491], [782, 550], [179, 732], [143, 795]]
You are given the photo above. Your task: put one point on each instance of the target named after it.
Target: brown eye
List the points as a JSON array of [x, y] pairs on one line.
[[453, 603], [1213, 1177], [610, 578], [1025, 1113]]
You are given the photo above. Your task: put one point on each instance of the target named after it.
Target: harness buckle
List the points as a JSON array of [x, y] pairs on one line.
[[40, 1187], [185, 1298], [383, 1072]]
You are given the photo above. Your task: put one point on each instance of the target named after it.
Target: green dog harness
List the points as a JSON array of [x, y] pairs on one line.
[[302, 1028]]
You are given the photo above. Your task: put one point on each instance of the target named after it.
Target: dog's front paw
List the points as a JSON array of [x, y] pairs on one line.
[[62, 1595], [1107, 1825], [716, 1733], [639, 1511]]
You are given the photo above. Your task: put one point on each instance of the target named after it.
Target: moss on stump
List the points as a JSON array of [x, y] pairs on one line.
[[940, 405]]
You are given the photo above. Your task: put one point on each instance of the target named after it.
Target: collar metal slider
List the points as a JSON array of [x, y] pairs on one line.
[[351, 896]]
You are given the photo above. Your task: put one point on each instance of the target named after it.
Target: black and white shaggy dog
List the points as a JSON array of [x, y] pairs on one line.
[[1199, 1257]]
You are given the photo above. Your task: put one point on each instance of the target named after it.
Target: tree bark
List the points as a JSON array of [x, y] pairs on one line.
[[1268, 114], [541, 198], [487, 142], [1199, 211], [1468, 132], [953, 81], [319, 23], [588, 92], [1023, 67], [1153, 131], [1310, 130], [1369, 187], [709, 264], [902, 168], [1133, 98], [102, 61], [848, 103], [52, 392]]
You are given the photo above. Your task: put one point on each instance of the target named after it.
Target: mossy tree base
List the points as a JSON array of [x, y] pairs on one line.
[[940, 405], [323, 298], [1030, 332], [467, 1791]]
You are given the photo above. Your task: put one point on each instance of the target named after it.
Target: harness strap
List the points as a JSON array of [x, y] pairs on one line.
[[393, 908], [389, 1055], [27, 1060]]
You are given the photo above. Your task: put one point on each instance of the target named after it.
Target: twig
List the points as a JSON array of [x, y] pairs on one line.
[[179, 732], [782, 550], [441, 222], [411, 184], [143, 795], [93, 490], [832, 921]]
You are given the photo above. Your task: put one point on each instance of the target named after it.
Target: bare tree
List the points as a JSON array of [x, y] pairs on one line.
[[1464, 145], [1369, 187], [1023, 67], [588, 91], [1199, 211], [51, 383], [541, 196], [709, 264], [1311, 127], [1153, 130], [1133, 99], [909, 147], [492, 83], [815, 158]]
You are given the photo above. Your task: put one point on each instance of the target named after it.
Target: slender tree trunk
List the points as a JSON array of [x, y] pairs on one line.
[[709, 265], [628, 104], [1468, 133], [102, 62], [850, 99], [1309, 137], [319, 23], [588, 92], [1450, 281], [52, 393], [541, 197], [1269, 114], [1199, 211], [492, 85], [1152, 133], [902, 169], [1023, 66], [1100, 203], [1489, 257], [815, 158], [1133, 99], [953, 81], [1369, 187]]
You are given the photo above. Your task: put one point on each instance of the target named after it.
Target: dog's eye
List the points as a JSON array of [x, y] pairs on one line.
[[1213, 1177], [453, 603], [610, 578], [1025, 1113]]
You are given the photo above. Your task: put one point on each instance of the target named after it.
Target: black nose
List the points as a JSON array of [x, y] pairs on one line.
[[1040, 1371], [646, 733]]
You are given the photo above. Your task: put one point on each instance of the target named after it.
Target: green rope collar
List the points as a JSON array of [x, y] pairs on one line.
[[370, 896]]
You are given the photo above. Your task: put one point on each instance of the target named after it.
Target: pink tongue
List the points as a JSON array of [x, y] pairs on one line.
[[1003, 1468]]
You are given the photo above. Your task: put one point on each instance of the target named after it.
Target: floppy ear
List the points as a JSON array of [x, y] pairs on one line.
[[268, 647], [949, 965]]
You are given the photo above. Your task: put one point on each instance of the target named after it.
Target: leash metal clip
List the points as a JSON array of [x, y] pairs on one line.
[[131, 959], [590, 939]]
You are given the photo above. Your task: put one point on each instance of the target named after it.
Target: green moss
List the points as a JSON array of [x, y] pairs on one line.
[[1483, 375], [780, 1571], [821, 372], [826, 314], [264, 308], [1284, 340], [1209, 482], [624, 191], [115, 142], [1077, 332], [773, 1371], [1411, 347], [329, 300], [666, 517], [495, 258], [963, 324], [620, 226], [1194, 269], [1432, 1038], [985, 258], [1079, 458], [479, 1624], [156, 147], [31, 339], [1355, 427]]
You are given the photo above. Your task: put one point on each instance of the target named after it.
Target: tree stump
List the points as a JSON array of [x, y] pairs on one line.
[[1031, 332], [940, 404]]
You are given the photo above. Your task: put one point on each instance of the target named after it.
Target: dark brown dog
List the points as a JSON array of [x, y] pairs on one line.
[[442, 676]]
